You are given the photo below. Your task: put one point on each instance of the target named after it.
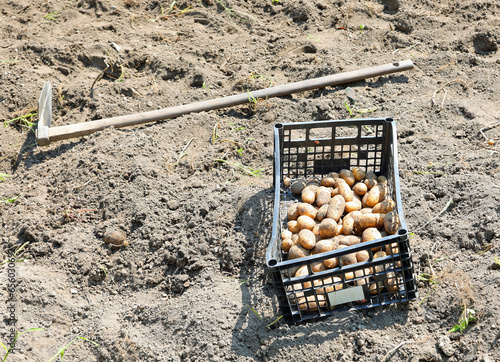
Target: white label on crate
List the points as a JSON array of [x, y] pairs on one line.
[[346, 295]]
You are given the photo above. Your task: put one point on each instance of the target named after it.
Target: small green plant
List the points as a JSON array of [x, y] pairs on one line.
[[358, 112], [234, 128], [214, 133], [275, 2], [13, 344], [62, 350], [122, 74], [10, 200], [173, 11], [265, 320], [251, 98], [240, 151], [17, 253], [497, 260], [53, 16], [314, 38], [26, 121], [234, 13], [468, 316], [245, 169], [3, 176], [362, 27]]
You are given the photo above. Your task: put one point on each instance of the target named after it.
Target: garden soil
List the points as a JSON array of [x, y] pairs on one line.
[[192, 284]]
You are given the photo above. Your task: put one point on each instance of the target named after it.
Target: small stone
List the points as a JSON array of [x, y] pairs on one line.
[[73, 291], [173, 204], [351, 95], [445, 346]]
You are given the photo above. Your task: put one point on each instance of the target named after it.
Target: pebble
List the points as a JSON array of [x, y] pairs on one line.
[[73, 291]]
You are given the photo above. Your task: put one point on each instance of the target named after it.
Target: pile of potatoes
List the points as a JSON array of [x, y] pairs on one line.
[[340, 210]]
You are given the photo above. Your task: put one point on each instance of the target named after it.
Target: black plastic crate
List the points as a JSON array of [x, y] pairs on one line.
[[314, 149]]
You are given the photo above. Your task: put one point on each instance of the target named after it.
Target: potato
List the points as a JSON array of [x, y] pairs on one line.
[[348, 258], [384, 207], [287, 182], [306, 222], [377, 255], [348, 177], [348, 240], [358, 173], [348, 222], [362, 255], [309, 195], [370, 175], [333, 175], [311, 303], [392, 223], [376, 287], [297, 186], [293, 226], [391, 249], [391, 283], [338, 228], [302, 272], [327, 228], [295, 238], [323, 196], [331, 263], [369, 183], [370, 234], [321, 214], [286, 244], [373, 197], [344, 190], [382, 180], [360, 188], [366, 210], [297, 251], [318, 267], [336, 207], [335, 191], [362, 273], [293, 212], [354, 205], [364, 221], [313, 182], [315, 230], [307, 239], [286, 234], [324, 245], [303, 208], [328, 288], [328, 181]]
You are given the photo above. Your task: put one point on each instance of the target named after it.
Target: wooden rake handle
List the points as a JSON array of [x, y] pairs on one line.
[[81, 129]]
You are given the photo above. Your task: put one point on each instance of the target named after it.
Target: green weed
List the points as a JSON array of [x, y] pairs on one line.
[[468, 316], [234, 128], [173, 11], [16, 336], [53, 16], [358, 112], [240, 151], [245, 169], [62, 350], [3, 176], [10, 200], [25, 121], [265, 320], [17, 253]]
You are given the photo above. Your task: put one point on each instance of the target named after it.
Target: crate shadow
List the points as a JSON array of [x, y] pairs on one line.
[[250, 330]]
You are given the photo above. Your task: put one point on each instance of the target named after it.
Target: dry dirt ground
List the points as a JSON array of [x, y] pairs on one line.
[[187, 285]]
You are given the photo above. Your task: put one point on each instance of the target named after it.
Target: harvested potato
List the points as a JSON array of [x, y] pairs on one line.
[[382, 180], [364, 221], [293, 226], [327, 228], [358, 173], [338, 228], [392, 223], [307, 239], [303, 208], [362, 273], [318, 267], [336, 207], [311, 303], [302, 272], [313, 182], [297, 186], [286, 244], [287, 182], [295, 238], [307, 222], [348, 177], [354, 205], [321, 214], [335, 191], [348, 240], [308, 195], [297, 251], [286, 234], [377, 255], [315, 230], [391, 283], [370, 175], [373, 197], [384, 207], [115, 238], [324, 246], [323, 196], [331, 263], [362, 255], [370, 183], [328, 181], [333, 175], [328, 288], [366, 210], [360, 188], [348, 222], [376, 287], [348, 258], [391, 249], [345, 190], [293, 212], [370, 234]]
